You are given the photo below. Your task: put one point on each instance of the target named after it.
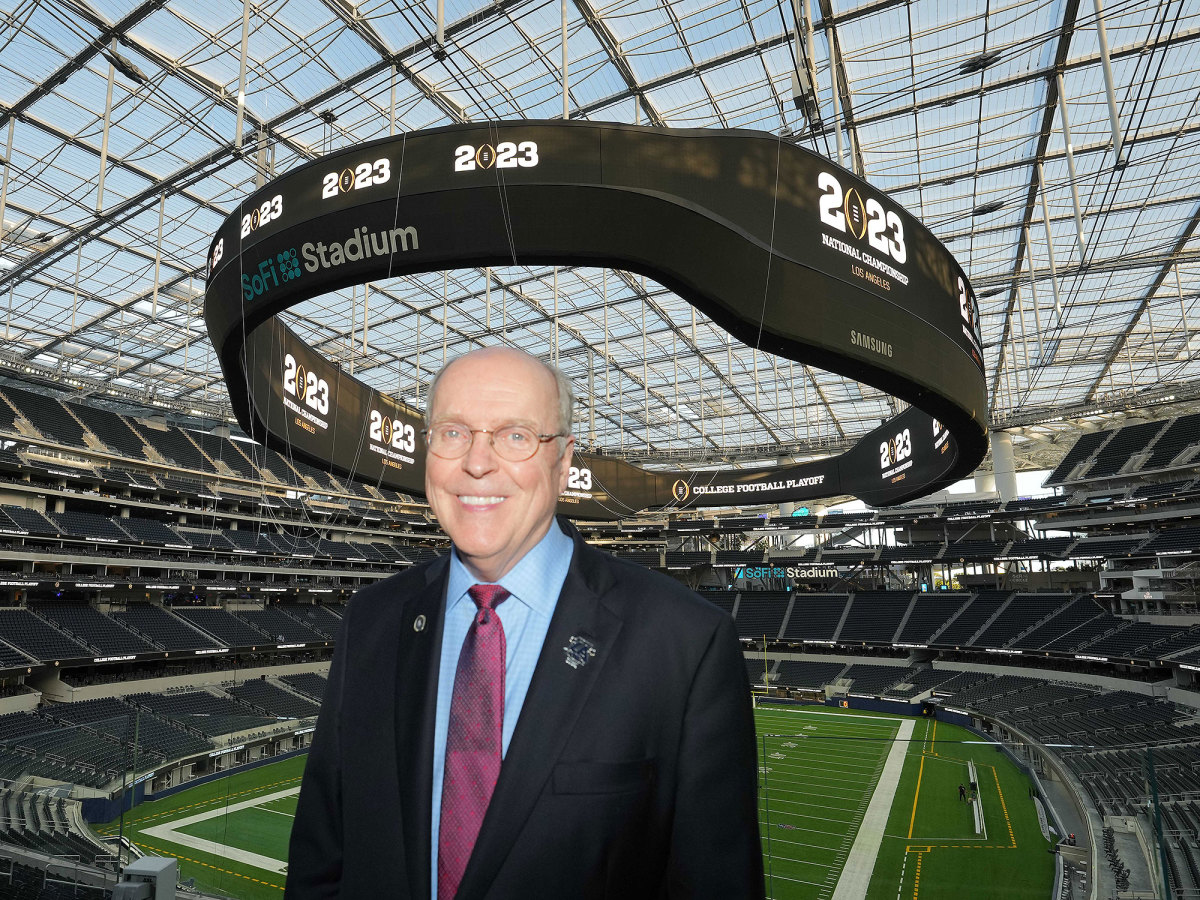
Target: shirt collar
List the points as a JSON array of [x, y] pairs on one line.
[[526, 580]]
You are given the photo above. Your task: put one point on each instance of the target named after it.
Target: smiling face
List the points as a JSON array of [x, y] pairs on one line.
[[494, 510]]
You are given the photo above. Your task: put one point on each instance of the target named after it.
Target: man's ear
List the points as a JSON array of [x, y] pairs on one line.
[[564, 463]]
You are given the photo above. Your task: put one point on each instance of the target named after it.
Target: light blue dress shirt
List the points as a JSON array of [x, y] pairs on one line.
[[534, 583]]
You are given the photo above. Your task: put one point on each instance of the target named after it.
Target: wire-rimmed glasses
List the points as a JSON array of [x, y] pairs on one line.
[[515, 443]]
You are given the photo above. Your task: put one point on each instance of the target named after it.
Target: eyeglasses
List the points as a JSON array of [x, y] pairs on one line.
[[515, 443]]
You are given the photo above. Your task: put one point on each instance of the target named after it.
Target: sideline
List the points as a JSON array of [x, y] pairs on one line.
[[856, 872], [169, 832], [809, 711]]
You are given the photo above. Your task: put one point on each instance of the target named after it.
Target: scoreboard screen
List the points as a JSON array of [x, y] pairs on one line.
[[787, 251]]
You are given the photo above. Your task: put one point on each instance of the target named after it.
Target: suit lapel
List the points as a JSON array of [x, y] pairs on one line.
[[557, 694], [420, 643]]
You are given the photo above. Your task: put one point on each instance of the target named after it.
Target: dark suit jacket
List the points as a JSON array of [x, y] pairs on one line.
[[631, 776]]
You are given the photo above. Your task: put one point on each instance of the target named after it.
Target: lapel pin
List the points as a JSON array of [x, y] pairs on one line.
[[578, 651], [419, 623]]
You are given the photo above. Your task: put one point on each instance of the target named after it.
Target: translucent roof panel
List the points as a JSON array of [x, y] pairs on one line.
[[1083, 251]]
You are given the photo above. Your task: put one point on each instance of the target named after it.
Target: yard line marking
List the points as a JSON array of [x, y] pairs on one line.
[[824, 807], [823, 801], [1012, 838], [778, 840], [817, 773], [800, 867], [850, 794], [792, 815], [916, 794], [798, 880], [808, 830]]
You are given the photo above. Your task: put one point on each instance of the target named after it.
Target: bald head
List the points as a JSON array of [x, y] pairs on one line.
[[537, 369]]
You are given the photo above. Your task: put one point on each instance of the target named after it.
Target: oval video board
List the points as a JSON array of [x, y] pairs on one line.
[[784, 249]]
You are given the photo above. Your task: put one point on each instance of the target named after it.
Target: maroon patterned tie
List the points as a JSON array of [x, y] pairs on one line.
[[474, 738]]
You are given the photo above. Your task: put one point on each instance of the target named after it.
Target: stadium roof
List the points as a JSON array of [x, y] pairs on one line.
[[1084, 252]]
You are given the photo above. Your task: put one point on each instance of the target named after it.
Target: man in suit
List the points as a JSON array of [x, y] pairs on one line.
[[526, 717]]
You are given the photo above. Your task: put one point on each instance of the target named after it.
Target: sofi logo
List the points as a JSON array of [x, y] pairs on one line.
[[764, 571], [785, 572]]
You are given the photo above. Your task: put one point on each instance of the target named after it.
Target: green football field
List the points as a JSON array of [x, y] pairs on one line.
[[223, 828], [822, 773], [820, 769]]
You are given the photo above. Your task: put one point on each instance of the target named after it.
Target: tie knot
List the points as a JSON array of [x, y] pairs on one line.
[[487, 596]]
